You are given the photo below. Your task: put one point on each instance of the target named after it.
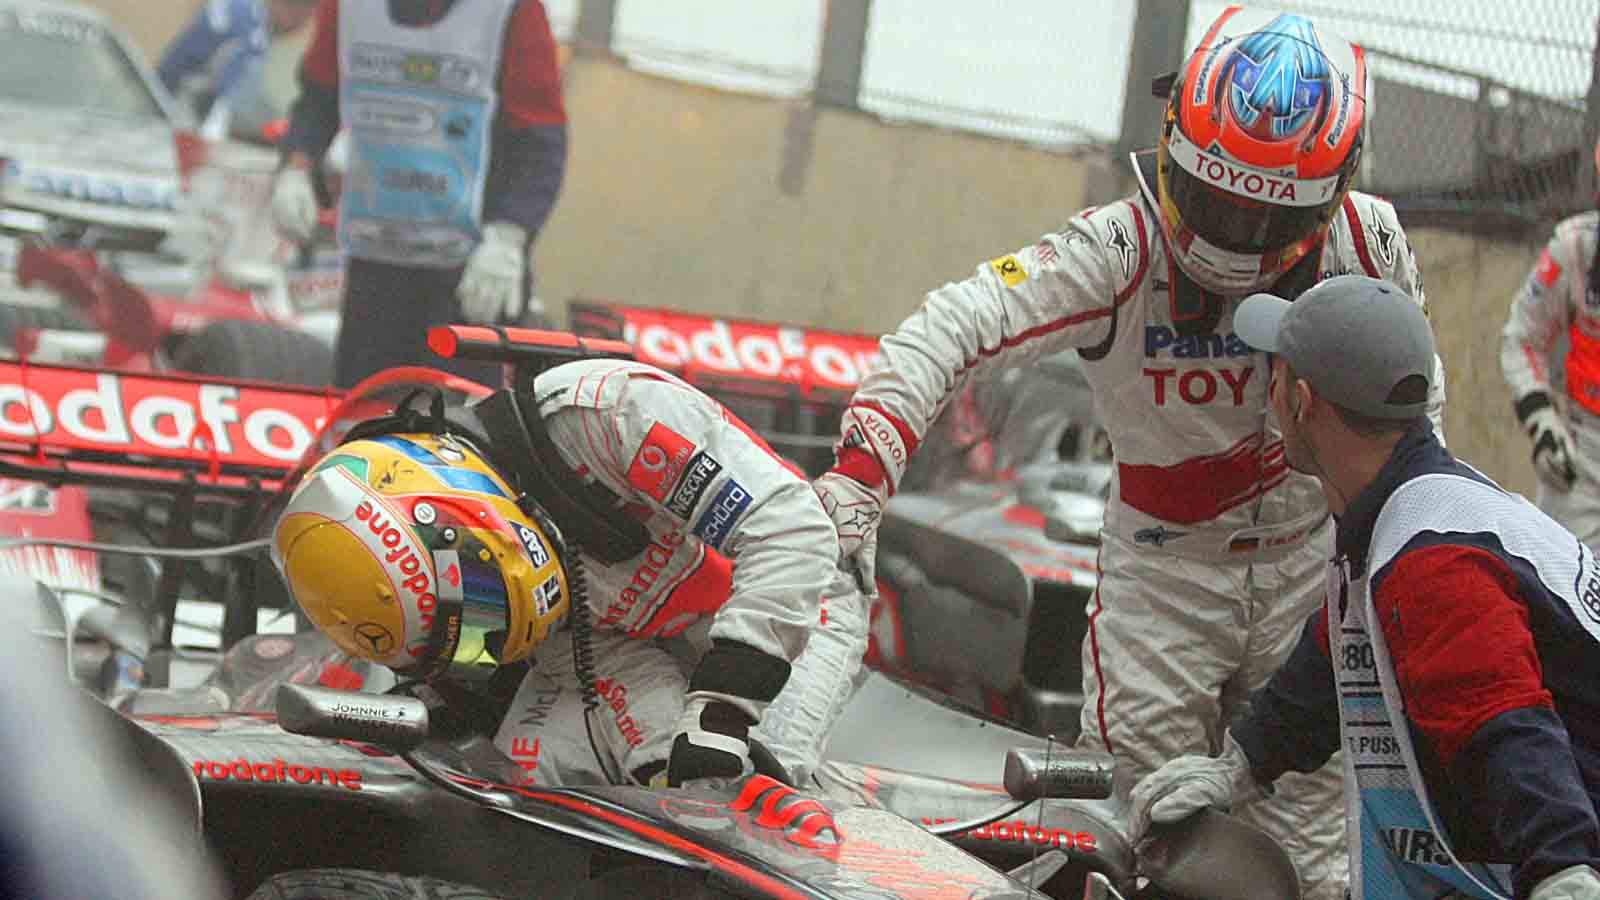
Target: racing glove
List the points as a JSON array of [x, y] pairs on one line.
[[294, 204], [871, 455], [1188, 784], [727, 693], [855, 510], [1573, 883], [1552, 442], [491, 287]]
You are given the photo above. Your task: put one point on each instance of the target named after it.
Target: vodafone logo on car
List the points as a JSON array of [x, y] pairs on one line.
[[143, 415], [784, 353]]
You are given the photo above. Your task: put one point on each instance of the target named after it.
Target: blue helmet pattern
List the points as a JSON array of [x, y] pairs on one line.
[[1279, 79]]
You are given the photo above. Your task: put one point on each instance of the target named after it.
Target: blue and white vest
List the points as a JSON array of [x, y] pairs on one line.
[[419, 104], [1398, 848]]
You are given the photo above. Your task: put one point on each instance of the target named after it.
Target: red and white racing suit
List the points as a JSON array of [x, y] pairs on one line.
[[740, 549], [1213, 551], [1555, 303]]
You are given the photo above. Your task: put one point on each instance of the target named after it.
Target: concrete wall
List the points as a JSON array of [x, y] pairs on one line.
[[696, 199]]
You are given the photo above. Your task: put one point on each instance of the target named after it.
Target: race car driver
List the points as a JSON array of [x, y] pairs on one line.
[[1561, 299], [1212, 550], [433, 543], [457, 147]]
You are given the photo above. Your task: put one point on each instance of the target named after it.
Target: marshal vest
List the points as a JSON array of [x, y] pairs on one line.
[[1398, 847], [419, 104]]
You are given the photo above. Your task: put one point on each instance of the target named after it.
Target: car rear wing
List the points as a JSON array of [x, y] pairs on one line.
[[790, 383], [69, 425]]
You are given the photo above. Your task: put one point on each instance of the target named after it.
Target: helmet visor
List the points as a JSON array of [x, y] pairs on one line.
[[468, 539], [1240, 209]]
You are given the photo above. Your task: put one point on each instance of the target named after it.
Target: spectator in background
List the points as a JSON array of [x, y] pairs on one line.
[[1560, 300], [458, 145], [221, 47]]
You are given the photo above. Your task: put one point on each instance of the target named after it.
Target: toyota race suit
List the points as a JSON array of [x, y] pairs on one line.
[[1554, 303], [1212, 551], [740, 549]]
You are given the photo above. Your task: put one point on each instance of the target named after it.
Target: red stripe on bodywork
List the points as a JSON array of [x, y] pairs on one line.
[[759, 880]]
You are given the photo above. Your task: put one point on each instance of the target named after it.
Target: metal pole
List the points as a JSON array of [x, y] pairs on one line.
[[1157, 49], [596, 21], [844, 43], [1591, 127]]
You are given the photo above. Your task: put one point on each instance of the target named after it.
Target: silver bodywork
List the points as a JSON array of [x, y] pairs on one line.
[[1010, 483], [89, 144]]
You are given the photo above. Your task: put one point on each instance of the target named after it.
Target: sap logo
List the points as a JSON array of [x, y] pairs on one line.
[[1199, 387], [1160, 338]]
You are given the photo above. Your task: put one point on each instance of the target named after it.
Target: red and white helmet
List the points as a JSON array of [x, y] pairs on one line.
[[1262, 136]]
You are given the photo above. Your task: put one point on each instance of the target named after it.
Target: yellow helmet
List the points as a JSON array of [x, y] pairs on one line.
[[409, 550]]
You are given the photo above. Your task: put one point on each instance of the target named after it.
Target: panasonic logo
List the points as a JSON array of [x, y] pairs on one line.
[[1159, 339]]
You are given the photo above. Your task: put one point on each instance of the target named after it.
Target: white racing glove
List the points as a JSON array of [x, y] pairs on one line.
[[1552, 447], [856, 511], [491, 288], [871, 455], [294, 204], [1574, 883], [1188, 784]]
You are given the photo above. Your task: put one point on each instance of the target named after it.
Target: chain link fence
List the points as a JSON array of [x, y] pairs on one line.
[[1478, 116]]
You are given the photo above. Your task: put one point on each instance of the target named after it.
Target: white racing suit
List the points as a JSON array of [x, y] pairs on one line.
[[1554, 303], [1212, 551], [741, 550]]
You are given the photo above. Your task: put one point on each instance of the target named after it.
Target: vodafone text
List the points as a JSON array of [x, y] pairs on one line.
[[1021, 832], [141, 414], [276, 771], [764, 351], [404, 562]]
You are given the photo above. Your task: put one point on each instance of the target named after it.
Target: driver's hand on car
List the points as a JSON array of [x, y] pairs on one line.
[[294, 200], [713, 745], [1188, 784]]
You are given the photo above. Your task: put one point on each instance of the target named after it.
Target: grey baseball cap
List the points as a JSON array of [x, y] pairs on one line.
[[1363, 343]]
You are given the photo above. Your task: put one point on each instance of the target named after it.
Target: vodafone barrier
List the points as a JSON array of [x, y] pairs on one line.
[[239, 427], [690, 345]]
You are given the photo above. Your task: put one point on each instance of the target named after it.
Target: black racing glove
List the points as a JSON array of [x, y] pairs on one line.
[[732, 685]]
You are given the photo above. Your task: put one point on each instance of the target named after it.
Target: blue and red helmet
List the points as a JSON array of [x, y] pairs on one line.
[[1262, 137]]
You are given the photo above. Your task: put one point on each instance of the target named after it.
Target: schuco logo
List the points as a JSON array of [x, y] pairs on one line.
[[780, 353]]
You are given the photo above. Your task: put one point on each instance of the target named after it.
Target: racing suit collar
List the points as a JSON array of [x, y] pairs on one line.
[[1419, 450]]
